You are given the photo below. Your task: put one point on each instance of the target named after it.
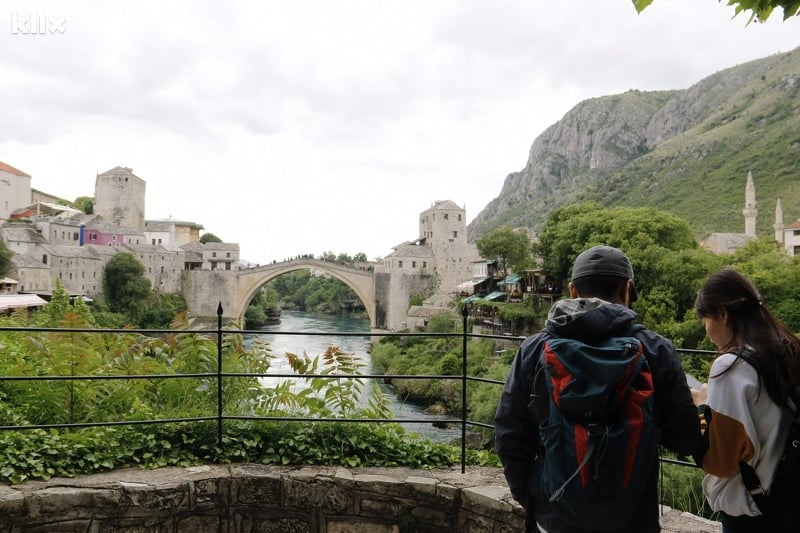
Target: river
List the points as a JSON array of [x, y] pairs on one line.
[[314, 345]]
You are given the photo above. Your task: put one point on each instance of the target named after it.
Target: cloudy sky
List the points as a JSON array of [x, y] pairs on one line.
[[296, 127]]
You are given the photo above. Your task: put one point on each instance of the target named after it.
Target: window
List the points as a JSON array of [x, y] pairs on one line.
[[227, 254], [213, 265], [93, 236], [213, 254], [424, 264], [400, 264], [459, 217], [413, 264], [113, 237], [227, 265], [445, 216], [455, 235]]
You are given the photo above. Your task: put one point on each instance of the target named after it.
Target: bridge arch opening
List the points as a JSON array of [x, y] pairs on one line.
[[360, 282]]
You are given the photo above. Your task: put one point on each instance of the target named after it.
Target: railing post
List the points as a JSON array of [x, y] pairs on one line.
[[464, 316], [219, 375]]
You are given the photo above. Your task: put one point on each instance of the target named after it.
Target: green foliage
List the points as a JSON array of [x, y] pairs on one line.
[[443, 322], [680, 488], [37, 454], [511, 248], [302, 291], [84, 203], [125, 288], [5, 259], [209, 237], [760, 10], [162, 310]]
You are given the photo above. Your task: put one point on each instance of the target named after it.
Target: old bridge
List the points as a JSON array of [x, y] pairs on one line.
[[204, 290]]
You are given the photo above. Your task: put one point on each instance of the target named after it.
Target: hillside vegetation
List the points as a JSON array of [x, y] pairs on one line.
[[687, 152]]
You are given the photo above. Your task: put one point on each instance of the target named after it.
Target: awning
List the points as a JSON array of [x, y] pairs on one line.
[[511, 279], [496, 295], [13, 301], [470, 299], [466, 285]]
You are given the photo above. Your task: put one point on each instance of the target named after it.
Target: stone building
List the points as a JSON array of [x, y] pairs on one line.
[[431, 266], [788, 236], [15, 190], [119, 198], [171, 234], [213, 255]]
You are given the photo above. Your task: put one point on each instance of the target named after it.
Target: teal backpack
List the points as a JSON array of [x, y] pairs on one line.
[[599, 442]]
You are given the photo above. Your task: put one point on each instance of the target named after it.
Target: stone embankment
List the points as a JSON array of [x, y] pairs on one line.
[[270, 499]]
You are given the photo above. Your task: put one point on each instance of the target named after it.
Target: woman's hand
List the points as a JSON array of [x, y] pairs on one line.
[[699, 397]]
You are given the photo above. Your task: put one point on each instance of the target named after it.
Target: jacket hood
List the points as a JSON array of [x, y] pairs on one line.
[[588, 318]]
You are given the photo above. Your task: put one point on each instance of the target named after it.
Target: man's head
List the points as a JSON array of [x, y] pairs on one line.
[[603, 272]]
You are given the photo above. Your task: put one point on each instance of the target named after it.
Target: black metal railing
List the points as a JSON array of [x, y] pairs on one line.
[[219, 333]]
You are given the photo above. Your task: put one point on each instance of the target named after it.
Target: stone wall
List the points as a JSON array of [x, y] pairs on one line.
[[269, 499]]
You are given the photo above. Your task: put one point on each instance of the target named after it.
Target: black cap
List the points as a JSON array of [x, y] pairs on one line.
[[604, 261]]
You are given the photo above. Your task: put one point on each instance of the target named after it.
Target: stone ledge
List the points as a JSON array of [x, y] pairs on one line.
[[270, 499]]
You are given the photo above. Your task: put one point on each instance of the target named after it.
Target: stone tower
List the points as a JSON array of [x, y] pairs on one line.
[[119, 198], [778, 226], [443, 225], [750, 212]]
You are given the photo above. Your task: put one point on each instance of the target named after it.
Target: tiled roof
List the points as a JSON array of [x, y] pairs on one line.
[[23, 234], [412, 250], [27, 261], [12, 170], [794, 225]]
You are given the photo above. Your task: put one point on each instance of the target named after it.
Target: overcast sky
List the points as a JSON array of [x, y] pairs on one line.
[[304, 126]]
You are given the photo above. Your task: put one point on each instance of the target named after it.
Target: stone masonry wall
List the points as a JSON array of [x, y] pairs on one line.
[[269, 499]]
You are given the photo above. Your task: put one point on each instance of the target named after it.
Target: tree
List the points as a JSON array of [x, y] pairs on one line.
[[209, 237], [125, 288], [511, 248], [85, 204], [5, 259], [667, 262], [760, 10], [644, 233]]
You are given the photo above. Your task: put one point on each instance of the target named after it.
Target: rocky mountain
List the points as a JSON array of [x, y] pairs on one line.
[[684, 151]]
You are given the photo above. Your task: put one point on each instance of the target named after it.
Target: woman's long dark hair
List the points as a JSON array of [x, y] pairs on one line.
[[758, 336]]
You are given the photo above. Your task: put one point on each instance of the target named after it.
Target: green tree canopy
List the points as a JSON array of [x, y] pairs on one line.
[[125, 288], [643, 233], [667, 262], [760, 10], [209, 237], [5, 259], [85, 204], [511, 248]]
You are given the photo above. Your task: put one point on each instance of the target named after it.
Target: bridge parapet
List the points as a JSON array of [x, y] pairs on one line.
[[204, 290]]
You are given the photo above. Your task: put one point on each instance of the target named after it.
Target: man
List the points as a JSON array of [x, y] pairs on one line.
[[601, 292]]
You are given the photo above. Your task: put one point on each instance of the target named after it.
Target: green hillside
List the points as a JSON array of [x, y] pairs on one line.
[[690, 157]]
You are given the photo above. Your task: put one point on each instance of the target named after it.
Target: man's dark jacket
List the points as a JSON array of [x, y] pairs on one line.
[[517, 418]]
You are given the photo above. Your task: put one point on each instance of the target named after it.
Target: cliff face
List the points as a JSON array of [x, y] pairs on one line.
[[609, 145]]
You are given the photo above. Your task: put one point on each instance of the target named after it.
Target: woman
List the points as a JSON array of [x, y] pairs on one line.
[[749, 388]]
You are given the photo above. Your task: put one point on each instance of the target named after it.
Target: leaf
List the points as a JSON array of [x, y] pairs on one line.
[[640, 5]]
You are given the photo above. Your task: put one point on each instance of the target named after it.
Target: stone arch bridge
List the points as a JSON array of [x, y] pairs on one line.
[[205, 290]]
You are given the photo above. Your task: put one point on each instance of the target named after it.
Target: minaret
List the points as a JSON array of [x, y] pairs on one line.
[[750, 210], [778, 222]]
